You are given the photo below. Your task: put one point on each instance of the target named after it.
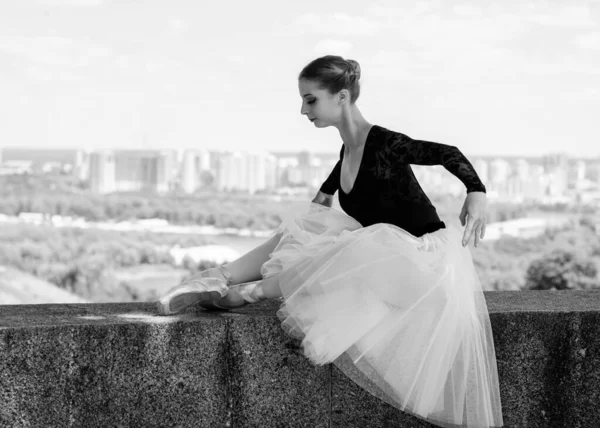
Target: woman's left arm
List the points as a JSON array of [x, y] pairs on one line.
[[474, 210]]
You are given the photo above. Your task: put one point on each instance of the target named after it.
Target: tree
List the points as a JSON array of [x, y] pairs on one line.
[[207, 178], [562, 270]]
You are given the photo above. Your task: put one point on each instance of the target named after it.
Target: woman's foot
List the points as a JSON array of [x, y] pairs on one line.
[[238, 295], [206, 286]]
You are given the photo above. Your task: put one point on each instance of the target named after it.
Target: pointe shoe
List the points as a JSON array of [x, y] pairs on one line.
[[189, 293], [238, 295]]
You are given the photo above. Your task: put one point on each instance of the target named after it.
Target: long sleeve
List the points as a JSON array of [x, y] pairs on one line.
[[330, 185], [418, 152]]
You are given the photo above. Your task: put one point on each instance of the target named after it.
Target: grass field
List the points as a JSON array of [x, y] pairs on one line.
[[19, 288]]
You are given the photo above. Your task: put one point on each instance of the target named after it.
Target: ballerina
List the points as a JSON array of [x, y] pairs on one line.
[[385, 290]]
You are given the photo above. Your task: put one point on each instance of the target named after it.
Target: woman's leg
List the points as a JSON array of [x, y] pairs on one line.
[[247, 267], [241, 294], [269, 288], [200, 288]]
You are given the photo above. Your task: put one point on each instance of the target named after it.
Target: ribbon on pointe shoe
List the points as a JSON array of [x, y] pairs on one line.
[[224, 272], [192, 291], [250, 292], [238, 295]]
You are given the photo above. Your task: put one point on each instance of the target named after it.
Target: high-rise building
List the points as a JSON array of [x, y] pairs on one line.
[[580, 170], [499, 170], [552, 162], [305, 158], [189, 173], [249, 172], [270, 172], [193, 164], [166, 162], [144, 170], [256, 172], [81, 169], [593, 172], [135, 170], [556, 167], [102, 171], [535, 188], [230, 171], [481, 167], [284, 164], [521, 170], [514, 188]]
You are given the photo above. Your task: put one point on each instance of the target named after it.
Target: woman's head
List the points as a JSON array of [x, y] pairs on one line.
[[327, 84], [334, 73]]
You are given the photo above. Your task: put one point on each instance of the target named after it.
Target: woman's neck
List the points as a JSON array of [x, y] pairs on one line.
[[354, 129]]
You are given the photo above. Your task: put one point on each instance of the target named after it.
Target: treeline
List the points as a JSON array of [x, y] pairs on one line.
[[81, 260], [65, 196], [561, 259]]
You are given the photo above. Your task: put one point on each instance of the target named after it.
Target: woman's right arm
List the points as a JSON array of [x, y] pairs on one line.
[[323, 199], [330, 186]]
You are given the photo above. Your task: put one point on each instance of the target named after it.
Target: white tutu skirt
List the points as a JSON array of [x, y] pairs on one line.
[[403, 317]]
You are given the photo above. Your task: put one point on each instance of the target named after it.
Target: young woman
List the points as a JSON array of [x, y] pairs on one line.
[[385, 291]]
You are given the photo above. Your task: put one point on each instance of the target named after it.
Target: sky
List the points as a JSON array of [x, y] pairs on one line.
[[518, 78]]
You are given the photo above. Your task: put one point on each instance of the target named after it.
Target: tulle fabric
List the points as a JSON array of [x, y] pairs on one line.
[[403, 317]]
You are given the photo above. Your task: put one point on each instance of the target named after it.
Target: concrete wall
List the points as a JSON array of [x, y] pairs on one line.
[[121, 365]]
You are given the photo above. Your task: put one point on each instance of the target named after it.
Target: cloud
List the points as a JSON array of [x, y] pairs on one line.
[[61, 58], [339, 24], [395, 65], [559, 15], [478, 42], [55, 50], [236, 59], [589, 40], [333, 47], [568, 65], [178, 25], [83, 3], [588, 94], [467, 10], [162, 65], [458, 32], [47, 74], [395, 10], [123, 62]]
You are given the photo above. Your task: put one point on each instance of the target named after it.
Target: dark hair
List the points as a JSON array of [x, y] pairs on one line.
[[334, 73]]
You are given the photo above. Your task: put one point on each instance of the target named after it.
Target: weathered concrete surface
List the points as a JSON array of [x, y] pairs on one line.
[[122, 365], [548, 352], [273, 384], [353, 407], [60, 367]]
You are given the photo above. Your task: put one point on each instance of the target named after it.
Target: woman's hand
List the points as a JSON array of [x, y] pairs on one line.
[[474, 215]]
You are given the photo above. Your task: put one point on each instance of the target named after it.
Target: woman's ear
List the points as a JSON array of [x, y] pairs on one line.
[[343, 96]]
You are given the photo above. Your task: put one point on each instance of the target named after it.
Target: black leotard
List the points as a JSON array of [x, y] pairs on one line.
[[386, 190]]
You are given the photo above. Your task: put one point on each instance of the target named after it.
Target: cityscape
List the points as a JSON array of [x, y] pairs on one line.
[[547, 179]]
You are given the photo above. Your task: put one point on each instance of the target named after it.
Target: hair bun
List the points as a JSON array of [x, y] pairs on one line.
[[354, 67]]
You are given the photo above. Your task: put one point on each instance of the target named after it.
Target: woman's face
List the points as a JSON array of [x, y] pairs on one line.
[[319, 105]]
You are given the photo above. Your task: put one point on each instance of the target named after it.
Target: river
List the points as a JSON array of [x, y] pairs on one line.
[[241, 244]]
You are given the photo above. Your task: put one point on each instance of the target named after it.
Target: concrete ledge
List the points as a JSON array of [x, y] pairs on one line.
[[121, 365]]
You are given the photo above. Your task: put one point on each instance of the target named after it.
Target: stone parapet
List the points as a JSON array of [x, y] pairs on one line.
[[122, 365]]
